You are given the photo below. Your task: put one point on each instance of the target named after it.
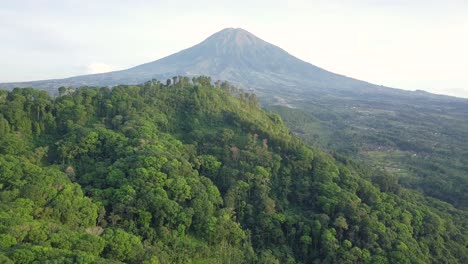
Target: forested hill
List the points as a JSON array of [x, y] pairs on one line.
[[195, 173]]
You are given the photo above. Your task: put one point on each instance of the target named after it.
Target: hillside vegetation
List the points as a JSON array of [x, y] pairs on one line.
[[418, 136], [422, 140], [196, 173]]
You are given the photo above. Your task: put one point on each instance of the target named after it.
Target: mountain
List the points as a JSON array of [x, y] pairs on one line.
[[235, 55], [231, 54], [417, 135]]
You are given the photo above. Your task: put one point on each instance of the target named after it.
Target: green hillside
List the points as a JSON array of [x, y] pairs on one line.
[[424, 142], [195, 173]]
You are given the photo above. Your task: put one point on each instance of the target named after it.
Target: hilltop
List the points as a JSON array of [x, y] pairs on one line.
[[196, 173]]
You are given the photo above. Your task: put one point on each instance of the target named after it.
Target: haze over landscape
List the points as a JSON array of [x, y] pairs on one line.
[[252, 132], [408, 45]]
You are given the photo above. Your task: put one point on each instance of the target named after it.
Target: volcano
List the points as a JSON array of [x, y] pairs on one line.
[[238, 56]]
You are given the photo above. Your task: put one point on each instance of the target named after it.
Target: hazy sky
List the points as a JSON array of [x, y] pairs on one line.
[[408, 44]]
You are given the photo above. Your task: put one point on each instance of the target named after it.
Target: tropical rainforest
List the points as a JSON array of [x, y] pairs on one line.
[[195, 172]]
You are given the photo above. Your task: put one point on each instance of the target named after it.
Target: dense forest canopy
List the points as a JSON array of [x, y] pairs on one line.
[[190, 172]]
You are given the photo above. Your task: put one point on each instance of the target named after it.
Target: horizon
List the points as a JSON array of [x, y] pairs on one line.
[[364, 52]]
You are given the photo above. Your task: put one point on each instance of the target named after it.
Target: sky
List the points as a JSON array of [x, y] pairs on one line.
[[417, 44]]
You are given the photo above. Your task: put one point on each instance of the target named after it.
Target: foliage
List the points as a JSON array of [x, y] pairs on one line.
[[187, 172], [421, 141]]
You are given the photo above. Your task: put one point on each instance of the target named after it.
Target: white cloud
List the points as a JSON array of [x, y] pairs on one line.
[[99, 68]]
